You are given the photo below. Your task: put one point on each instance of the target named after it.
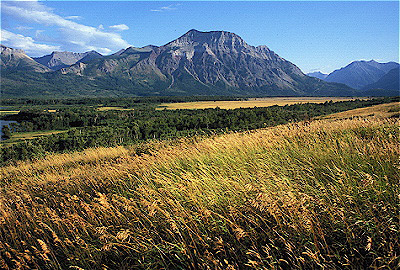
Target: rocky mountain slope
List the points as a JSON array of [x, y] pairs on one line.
[[16, 60], [197, 63], [58, 60]]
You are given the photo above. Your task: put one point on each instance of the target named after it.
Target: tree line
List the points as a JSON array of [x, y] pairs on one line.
[[88, 127]]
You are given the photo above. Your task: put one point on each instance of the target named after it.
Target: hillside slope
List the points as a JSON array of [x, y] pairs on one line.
[[303, 195], [390, 81]]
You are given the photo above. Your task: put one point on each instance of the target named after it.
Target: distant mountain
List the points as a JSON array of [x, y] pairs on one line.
[[17, 60], [58, 60], [90, 56], [133, 50], [197, 63], [318, 74], [359, 74], [389, 81]]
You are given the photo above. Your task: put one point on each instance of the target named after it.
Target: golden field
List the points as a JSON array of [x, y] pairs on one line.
[[381, 111], [6, 112], [114, 109], [21, 136], [310, 195], [251, 103]]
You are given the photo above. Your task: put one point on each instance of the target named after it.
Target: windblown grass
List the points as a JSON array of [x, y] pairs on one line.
[[320, 194], [381, 111]]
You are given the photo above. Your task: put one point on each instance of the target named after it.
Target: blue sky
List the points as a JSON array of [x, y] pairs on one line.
[[314, 35]]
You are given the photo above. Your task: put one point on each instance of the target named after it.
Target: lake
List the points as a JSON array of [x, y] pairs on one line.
[[4, 123]]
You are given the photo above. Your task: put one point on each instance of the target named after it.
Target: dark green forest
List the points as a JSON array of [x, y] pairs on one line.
[[87, 127]]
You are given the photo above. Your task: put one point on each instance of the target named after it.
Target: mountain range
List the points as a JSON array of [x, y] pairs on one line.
[[318, 74], [197, 63], [58, 60], [360, 74]]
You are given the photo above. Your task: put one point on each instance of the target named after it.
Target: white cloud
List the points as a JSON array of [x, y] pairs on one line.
[[23, 28], [73, 36], [100, 27], [119, 27], [73, 17], [26, 43], [166, 8], [38, 33]]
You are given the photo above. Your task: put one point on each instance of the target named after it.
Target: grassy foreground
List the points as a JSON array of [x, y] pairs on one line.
[[320, 194]]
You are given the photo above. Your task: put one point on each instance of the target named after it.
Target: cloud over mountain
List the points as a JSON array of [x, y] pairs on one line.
[[25, 43], [72, 35]]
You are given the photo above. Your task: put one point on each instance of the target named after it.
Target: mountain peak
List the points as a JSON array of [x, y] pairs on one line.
[[16, 59], [196, 33], [57, 60], [360, 73], [192, 31], [8, 50], [317, 74], [212, 38], [135, 50]]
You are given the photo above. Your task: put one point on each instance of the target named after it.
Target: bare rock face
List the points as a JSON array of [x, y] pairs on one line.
[[17, 60], [224, 58], [75, 69], [59, 60], [8, 51]]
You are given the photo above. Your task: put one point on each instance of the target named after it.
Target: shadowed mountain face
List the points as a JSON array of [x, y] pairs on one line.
[[58, 60], [318, 74], [17, 60], [197, 63], [358, 74], [389, 81]]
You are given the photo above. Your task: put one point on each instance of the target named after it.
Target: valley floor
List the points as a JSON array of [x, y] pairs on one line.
[[309, 195], [251, 102]]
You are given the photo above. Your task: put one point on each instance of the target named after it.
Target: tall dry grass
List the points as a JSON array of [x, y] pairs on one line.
[[321, 194]]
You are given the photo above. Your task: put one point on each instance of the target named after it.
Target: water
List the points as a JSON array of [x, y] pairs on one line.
[[4, 123]]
